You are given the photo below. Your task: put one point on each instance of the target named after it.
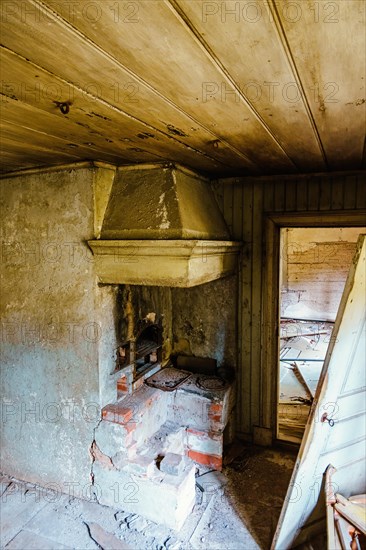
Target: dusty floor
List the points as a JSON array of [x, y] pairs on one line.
[[236, 510]]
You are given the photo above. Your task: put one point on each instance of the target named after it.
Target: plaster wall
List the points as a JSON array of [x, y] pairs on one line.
[[205, 321], [315, 265], [156, 202], [50, 330]]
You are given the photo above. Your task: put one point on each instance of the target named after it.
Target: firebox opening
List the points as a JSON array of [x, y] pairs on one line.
[[148, 348], [139, 357]]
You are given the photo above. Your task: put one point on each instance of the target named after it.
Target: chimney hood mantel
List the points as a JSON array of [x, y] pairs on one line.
[[175, 263], [160, 225]]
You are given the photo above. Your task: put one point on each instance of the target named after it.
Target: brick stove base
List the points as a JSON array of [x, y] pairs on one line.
[[146, 446]]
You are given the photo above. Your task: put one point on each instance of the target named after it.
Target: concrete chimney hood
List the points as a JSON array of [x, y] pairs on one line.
[[161, 225]]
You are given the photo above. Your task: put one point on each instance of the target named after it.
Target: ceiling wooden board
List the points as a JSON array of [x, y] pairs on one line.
[[98, 75], [163, 52], [98, 117], [328, 45], [206, 84], [39, 139], [36, 153], [20, 114], [261, 74], [12, 161]]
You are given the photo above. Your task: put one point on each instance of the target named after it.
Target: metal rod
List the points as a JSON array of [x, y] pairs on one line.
[[308, 320], [304, 334], [303, 360]]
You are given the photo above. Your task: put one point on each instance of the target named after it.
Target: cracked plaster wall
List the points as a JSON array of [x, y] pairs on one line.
[[56, 327]]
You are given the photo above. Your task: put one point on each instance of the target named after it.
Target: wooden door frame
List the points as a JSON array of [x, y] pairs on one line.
[[266, 432]]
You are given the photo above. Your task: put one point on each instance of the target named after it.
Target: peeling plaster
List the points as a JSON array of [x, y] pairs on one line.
[[93, 452], [163, 213]]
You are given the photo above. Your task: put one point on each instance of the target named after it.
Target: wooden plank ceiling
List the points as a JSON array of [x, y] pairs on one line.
[[226, 88]]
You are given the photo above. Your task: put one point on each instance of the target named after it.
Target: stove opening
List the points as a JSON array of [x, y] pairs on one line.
[[148, 348]]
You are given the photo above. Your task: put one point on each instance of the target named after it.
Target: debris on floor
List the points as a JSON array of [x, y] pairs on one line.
[[235, 510], [303, 347], [104, 539], [211, 481], [233, 451], [346, 521]]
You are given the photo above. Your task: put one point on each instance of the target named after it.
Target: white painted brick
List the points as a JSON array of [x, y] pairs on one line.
[[112, 438], [164, 498], [205, 443], [142, 465], [172, 464]]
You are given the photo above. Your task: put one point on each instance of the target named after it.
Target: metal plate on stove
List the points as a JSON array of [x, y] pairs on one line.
[[211, 382], [168, 379]]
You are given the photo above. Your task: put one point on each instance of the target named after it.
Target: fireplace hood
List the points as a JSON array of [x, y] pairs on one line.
[[160, 225]]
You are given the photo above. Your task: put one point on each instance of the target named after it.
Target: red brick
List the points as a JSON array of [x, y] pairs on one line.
[[212, 461], [122, 384], [117, 413], [215, 408], [195, 432], [215, 412], [211, 434]]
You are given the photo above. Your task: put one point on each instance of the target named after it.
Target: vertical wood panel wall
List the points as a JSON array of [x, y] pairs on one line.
[[244, 203]]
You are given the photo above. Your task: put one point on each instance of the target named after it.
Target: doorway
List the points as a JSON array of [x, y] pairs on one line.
[[313, 268]]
